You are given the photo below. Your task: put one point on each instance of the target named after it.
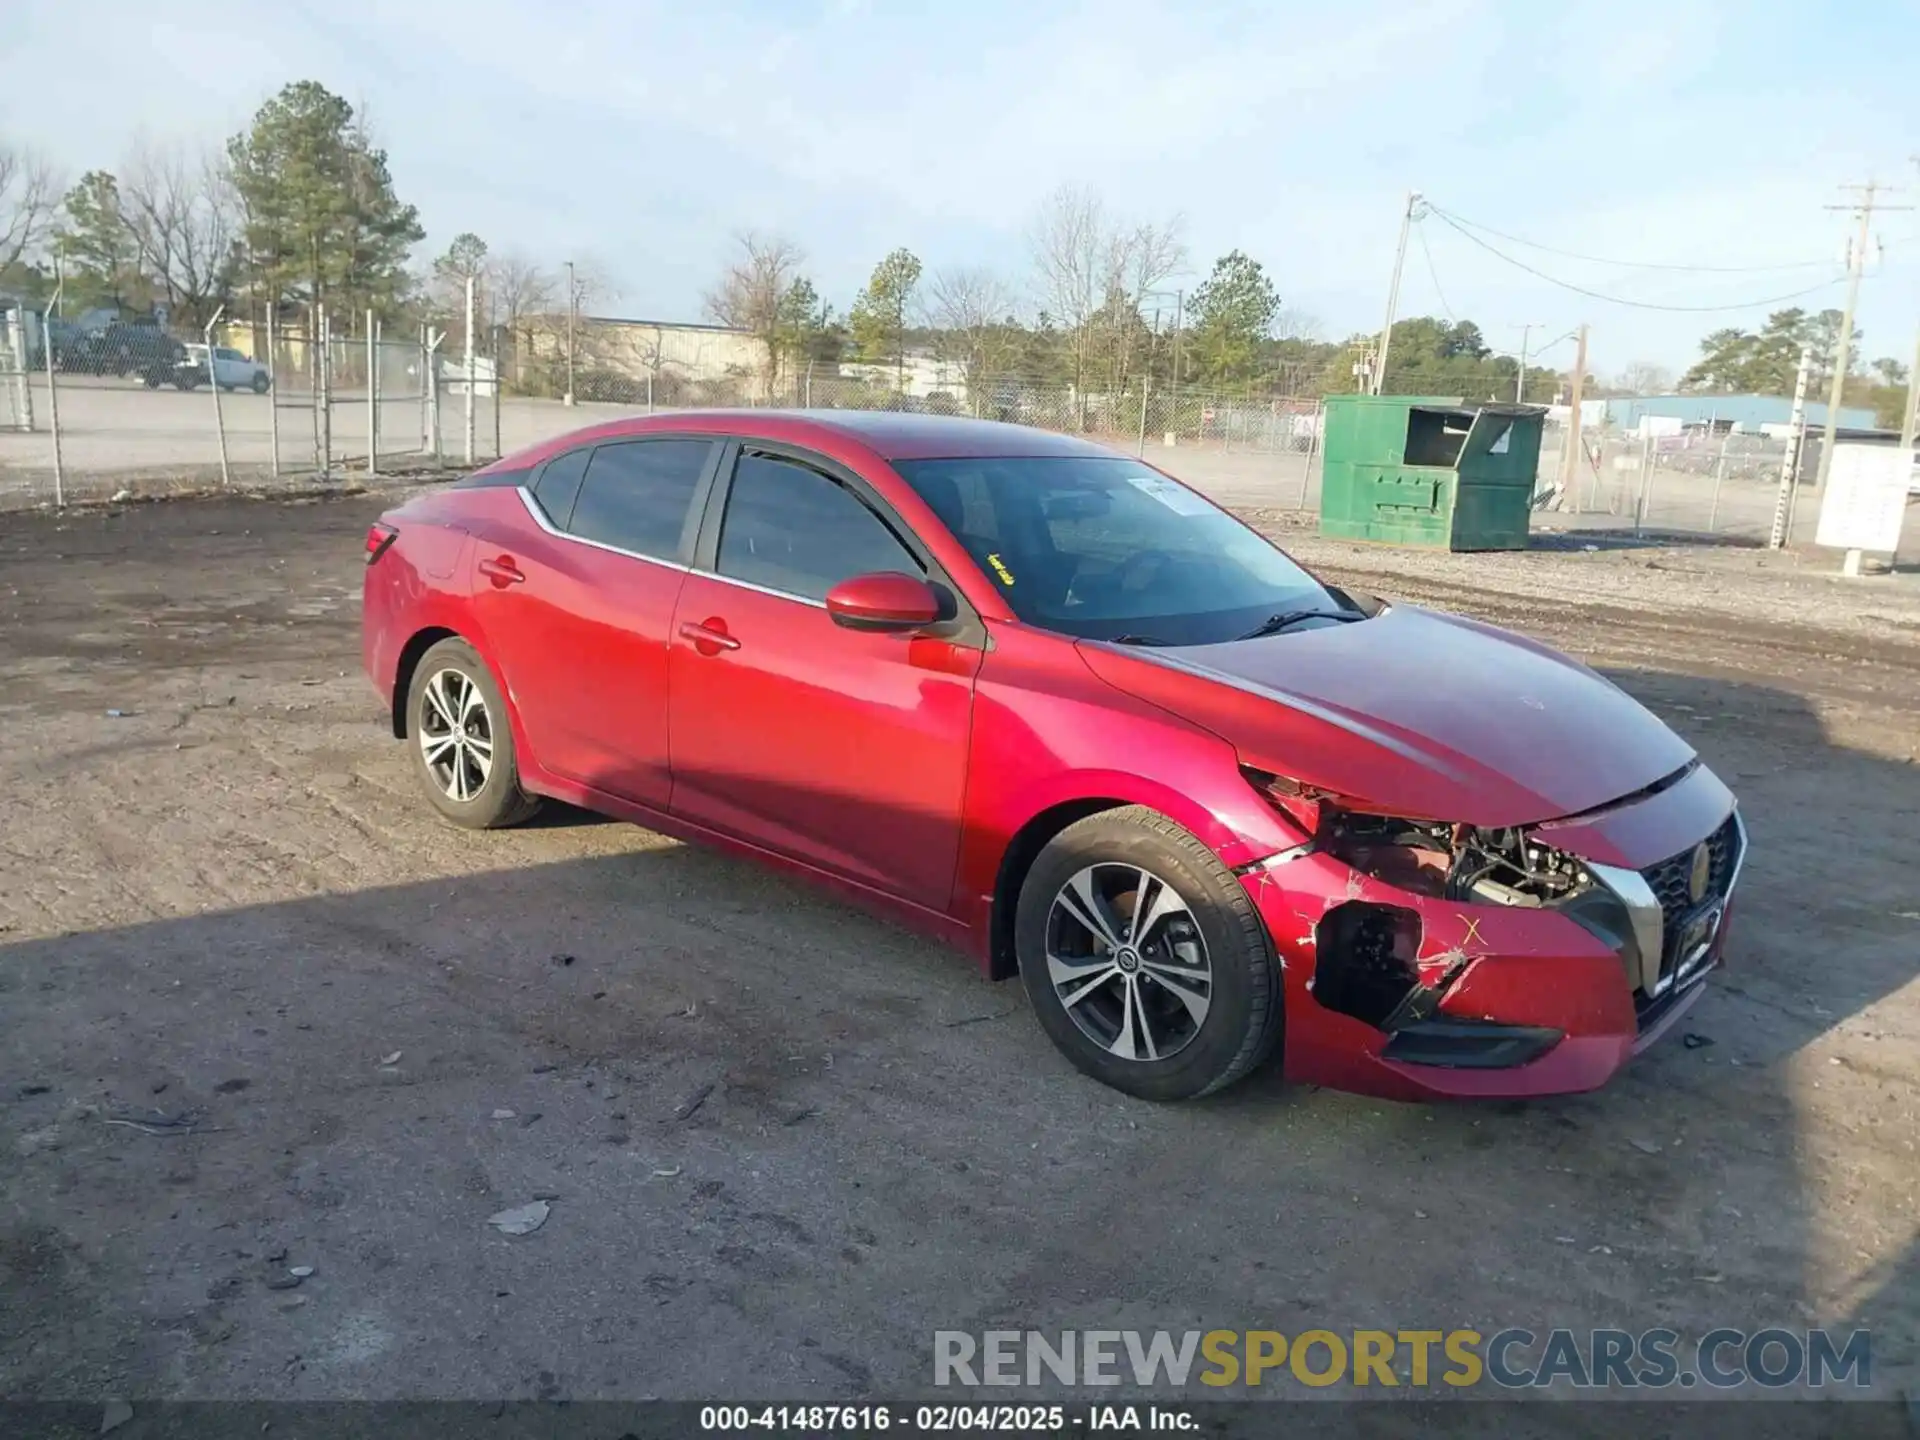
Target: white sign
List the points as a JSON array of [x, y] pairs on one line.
[[1176, 498], [1866, 499]]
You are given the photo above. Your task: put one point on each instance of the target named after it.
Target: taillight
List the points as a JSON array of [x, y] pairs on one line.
[[380, 539]]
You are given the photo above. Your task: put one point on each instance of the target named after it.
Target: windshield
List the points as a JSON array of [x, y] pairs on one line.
[[1106, 548]]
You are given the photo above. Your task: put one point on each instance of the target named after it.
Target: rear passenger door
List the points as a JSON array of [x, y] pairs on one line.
[[578, 608]]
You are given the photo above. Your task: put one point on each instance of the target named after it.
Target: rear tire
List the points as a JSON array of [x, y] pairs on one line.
[[1186, 1006], [462, 741]]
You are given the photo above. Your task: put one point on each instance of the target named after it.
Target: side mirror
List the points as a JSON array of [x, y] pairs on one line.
[[883, 601]]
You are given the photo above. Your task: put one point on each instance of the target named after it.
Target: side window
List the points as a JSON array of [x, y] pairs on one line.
[[637, 493], [559, 483], [792, 529]]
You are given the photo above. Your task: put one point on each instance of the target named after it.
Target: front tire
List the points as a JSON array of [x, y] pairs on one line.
[[461, 741], [1144, 958], [261, 384]]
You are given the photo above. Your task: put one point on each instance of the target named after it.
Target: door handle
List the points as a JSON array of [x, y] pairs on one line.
[[709, 637], [503, 572]]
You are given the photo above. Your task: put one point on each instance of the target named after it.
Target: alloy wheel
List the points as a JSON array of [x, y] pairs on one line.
[[1128, 962], [456, 735]]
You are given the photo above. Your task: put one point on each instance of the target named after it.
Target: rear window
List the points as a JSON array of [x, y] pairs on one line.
[[637, 494], [559, 485]]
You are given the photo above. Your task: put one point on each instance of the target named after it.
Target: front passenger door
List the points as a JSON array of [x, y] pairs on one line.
[[843, 749]]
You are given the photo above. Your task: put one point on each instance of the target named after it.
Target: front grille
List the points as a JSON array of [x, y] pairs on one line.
[[1669, 882], [1668, 879]]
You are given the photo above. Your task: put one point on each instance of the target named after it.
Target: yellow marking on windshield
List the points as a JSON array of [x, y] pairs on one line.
[[1006, 575]]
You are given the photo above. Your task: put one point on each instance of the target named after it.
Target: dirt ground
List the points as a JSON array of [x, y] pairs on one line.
[[783, 1142]]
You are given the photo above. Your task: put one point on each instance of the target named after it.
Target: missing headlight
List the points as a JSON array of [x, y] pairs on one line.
[[1454, 862]]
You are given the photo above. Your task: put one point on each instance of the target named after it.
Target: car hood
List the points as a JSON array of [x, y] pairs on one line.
[[1414, 712]]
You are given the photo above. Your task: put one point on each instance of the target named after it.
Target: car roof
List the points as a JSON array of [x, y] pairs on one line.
[[890, 434]]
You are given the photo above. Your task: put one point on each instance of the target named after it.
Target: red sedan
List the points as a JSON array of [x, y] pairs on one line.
[[1040, 700]]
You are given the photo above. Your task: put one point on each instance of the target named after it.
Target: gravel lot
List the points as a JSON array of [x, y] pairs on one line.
[[785, 1142]]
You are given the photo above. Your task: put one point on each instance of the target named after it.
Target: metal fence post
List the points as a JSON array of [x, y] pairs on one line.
[[433, 392], [1140, 448], [497, 452], [219, 413], [373, 402], [273, 392], [324, 396], [1782, 532], [469, 446], [53, 402], [22, 367], [1313, 448], [1719, 479], [1641, 500]]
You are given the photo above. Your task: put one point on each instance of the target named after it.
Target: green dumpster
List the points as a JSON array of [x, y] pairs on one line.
[[1428, 470]]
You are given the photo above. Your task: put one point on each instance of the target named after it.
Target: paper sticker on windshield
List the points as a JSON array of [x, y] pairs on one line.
[[1176, 498], [1000, 569]]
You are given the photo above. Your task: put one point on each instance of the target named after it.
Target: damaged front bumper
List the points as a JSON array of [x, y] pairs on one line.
[[1409, 996]]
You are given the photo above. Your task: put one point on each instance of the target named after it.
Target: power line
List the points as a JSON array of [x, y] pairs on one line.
[[1434, 275], [1460, 220], [1446, 219]]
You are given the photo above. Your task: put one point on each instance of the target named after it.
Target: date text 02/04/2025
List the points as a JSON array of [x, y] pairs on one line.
[[943, 1419]]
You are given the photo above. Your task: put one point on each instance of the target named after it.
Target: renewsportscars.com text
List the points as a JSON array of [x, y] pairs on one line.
[[1721, 1359]]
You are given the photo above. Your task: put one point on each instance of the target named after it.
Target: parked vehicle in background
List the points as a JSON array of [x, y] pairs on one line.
[[1041, 700], [123, 348], [231, 369]]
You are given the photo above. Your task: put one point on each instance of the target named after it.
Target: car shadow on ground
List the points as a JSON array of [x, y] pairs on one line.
[[783, 1144]]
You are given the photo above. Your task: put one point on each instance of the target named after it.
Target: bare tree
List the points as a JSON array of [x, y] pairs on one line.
[[1093, 271], [521, 289], [1291, 324], [1145, 257], [970, 309], [751, 290], [29, 198], [1643, 377], [1071, 241], [184, 217]]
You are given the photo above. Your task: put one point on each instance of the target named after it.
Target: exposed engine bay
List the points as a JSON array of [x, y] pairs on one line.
[[1453, 862]]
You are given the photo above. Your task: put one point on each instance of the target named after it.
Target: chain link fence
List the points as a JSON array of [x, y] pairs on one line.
[[1700, 481], [127, 410], [258, 404]]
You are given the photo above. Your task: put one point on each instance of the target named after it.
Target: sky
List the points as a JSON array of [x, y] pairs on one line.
[[640, 137]]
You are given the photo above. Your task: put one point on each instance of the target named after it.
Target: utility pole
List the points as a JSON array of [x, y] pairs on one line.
[[1909, 425], [1179, 314], [1393, 291], [1520, 380], [1571, 456], [1843, 347], [573, 310]]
